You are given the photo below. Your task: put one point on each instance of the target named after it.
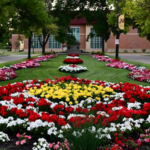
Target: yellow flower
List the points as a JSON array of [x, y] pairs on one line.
[[67, 99], [47, 96], [98, 98], [70, 103], [106, 95], [76, 102]]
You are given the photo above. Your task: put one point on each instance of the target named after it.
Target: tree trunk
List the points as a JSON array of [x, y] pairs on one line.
[[29, 47], [103, 45], [43, 49]]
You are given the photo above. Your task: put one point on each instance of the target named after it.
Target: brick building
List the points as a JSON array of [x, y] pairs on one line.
[[128, 42]]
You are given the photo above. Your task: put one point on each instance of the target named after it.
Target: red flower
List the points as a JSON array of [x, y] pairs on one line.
[[73, 55], [73, 61], [146, 107]]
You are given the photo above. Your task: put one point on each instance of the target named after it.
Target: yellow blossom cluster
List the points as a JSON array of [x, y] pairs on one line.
[[71, 92]]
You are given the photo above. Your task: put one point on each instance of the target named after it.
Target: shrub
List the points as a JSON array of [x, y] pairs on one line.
[[125, 51], [143, 50]]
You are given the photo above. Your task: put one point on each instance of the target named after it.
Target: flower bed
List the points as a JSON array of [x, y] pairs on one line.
[[142, 75], [72, 68], [137, 73], [73, 61], [44, 109], [8, 73]]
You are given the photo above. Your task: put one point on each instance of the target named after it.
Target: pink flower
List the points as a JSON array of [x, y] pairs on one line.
[[56, 146], [28, 137], [139, 140], [22, 142], [17, 143], [18, 135], [146, 140], [50, 145]]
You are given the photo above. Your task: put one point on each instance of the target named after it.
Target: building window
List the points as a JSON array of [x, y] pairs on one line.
[[35, 41], [95, 42], [53, 43], [76, 32]]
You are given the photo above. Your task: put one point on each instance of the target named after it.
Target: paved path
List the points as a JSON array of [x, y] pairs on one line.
[[135, 57], [8, 58]]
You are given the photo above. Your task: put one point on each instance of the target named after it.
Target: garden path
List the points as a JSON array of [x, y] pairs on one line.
[[8, 58]]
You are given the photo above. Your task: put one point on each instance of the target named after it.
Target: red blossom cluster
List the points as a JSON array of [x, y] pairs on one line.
[[73, 55], [73, 61], [73, 65]]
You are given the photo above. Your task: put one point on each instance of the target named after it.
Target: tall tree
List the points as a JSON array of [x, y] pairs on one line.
[[61, 15], [95, 12], [30, 17], [6, 10], [27, 16]]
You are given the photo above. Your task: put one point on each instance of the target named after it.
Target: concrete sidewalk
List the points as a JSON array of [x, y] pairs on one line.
[[135, 57], [9, 58]]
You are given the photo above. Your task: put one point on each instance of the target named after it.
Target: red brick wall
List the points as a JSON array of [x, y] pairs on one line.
[[14, 39], [130, 41]]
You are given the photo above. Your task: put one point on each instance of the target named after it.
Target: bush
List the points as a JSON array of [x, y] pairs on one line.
[[101, 53], [125, 51], [134, 51], [143, 50]]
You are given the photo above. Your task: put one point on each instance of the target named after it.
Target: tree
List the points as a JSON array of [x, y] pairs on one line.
[[30, 17], [6, 10], [95, 12], [25, 17], [50, 29], [139, 10], [62, 15]]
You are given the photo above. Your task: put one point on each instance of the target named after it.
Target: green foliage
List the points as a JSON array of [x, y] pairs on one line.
[[125, 51], [85, 137], [30, 16], [112, 17], [140, 12], [99, 21], [143, 50]]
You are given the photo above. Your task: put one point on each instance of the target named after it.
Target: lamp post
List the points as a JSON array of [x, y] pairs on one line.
[[117, 35]]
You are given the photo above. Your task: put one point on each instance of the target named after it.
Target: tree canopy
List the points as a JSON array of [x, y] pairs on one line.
[[139, 10]]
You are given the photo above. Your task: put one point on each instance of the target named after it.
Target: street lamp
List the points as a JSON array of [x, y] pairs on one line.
[[117, 34]]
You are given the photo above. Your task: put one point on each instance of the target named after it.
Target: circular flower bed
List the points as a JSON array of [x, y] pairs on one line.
[[113, 114], [72, 68], [73, 61]]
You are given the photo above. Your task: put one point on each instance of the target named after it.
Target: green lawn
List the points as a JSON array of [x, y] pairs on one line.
[[96, 71]]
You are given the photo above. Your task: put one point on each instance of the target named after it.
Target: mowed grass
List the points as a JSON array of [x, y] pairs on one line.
[[96, 71]]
